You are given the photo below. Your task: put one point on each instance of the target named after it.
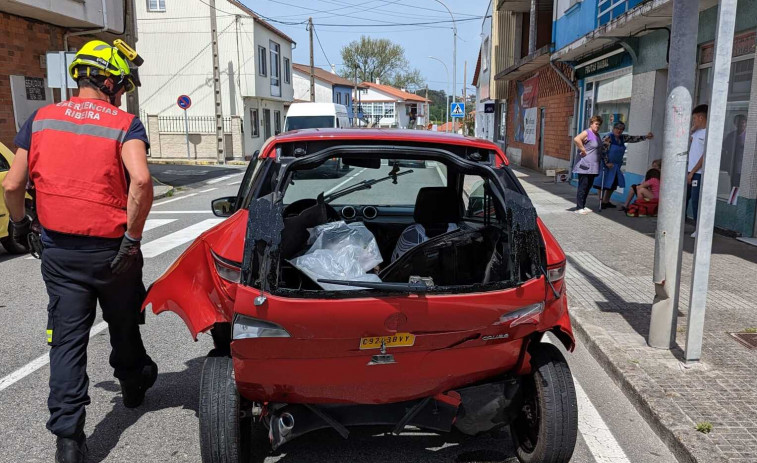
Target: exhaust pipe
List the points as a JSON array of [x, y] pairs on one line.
[[285, 424]]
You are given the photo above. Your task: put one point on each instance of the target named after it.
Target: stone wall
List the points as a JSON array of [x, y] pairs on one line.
[[202, 146]]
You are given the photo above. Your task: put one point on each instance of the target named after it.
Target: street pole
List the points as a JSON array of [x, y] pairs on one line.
[[716, 113], [186, 133], [668, 239], [426, 112], [130, 34], [220, 142], [465, 95], [454, 51], [446, 98], [532, 28], [312, 66], [354, 104]]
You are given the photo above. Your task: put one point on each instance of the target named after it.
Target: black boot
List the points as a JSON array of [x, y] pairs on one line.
[[133, 391], [71, 450]]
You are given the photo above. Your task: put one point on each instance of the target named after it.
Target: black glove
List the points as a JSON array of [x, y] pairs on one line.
[[20, 230], [128, 255]]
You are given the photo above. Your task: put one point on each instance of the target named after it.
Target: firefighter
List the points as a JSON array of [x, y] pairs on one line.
[[87, 159]]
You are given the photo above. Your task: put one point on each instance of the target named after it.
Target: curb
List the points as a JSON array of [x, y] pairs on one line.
[[668, 436], [168, 192], [196, 163]]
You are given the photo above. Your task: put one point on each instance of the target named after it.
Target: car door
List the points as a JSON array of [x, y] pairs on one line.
[[6, 158]]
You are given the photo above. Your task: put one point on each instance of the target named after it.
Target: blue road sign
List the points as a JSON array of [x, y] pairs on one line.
[[457, 109], [184, 102]]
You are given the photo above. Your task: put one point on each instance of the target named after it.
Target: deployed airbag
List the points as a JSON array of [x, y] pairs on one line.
[[339, 251]]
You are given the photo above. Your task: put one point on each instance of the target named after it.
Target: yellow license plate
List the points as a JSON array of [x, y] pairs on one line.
[[395, 340]]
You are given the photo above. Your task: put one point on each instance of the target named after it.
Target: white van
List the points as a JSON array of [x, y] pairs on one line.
[[316, 116]]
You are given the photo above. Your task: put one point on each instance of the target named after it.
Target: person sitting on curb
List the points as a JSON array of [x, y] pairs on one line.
[[647, 190]]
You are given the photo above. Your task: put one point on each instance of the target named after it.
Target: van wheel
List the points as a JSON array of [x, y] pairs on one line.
[[546, 425], [12, 246], [225, 434]]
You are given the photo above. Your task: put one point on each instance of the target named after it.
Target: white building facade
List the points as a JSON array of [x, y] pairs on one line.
[[484, 122], [255, 65], [386, 106]]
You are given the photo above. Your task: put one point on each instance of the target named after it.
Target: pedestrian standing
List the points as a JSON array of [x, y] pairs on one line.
[[612, 177], [87, 160], [696, 160], [587, 167]]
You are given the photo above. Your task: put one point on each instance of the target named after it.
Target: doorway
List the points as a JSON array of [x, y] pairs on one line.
[[266, 123], [542, 114]]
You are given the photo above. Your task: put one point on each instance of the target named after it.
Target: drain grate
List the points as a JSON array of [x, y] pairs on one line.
[[747, 339]]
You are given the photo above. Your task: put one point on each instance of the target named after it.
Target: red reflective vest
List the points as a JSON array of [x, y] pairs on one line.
[[76, 167]]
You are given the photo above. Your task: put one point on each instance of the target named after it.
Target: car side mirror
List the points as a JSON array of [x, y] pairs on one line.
[[224, 207]]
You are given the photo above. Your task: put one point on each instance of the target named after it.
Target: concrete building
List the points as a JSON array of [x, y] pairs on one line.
[[619, 51], [255, 65], [329, 87], [386, 106], [30, 29], [485, 106]]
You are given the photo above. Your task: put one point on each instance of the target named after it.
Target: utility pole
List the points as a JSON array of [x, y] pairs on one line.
[[669, 235], [354, 105], [427, 112], [312, 66], [465, 94], [220, 141], [721, 70], [130, 34]]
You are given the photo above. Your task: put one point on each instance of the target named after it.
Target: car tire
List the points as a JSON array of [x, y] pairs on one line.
[[12, 247], [225, 436], [546, 426]]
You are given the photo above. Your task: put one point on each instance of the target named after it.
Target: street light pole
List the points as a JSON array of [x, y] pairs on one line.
[[446, 102], [454, 50]]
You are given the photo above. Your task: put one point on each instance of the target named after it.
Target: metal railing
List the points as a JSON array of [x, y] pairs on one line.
[[197, 124], [607, 10]]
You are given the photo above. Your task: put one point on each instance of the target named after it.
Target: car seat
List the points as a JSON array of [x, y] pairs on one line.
[[437, 210]]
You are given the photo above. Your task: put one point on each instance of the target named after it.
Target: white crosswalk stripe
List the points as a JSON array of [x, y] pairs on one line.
[[175, 239], [175, 199], [220, 179], [151, 224]]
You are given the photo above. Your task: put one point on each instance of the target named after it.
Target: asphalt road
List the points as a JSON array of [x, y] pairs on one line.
[[165, 428]]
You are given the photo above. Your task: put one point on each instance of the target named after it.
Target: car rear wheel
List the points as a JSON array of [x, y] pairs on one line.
[[225, 433], [546, 426]]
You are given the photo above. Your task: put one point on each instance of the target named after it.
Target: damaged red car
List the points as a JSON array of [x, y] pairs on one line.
[[390, 295]]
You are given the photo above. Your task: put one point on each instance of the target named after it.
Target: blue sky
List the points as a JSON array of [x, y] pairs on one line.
[[353, 18]]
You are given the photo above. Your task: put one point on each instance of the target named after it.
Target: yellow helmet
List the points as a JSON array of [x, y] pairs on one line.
[[97, 58]]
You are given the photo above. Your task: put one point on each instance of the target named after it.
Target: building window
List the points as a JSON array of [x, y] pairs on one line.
[[254, 123], [737, 107], [609, 98], [276, 122], [156, 5], [338, 98], [287, 71], [485, 55], [275, 69], [262, 61]]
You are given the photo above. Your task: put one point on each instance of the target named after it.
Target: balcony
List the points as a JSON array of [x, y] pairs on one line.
[[79, 14], [607, 10]]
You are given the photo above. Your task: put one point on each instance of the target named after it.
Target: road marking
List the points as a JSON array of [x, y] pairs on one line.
[[209, 189], [597, 435], [182, 212], [155, 223], [346, 180], [235, 183], [175, 199], [441, 175], [39, 362], [220, 179], [170, 241]]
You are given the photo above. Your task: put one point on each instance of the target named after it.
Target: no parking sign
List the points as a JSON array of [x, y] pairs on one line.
[[184, 102]]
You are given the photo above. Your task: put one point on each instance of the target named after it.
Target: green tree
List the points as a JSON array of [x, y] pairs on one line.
[[378, 59], [438, 104]]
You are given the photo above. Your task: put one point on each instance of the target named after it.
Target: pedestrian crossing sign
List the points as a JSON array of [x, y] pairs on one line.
[[457, 110]]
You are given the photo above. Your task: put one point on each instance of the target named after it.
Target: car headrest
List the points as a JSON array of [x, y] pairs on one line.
[[437, 205]]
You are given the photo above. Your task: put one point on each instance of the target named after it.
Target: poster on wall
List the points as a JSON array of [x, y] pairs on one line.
[[28, 95], [525, 111]]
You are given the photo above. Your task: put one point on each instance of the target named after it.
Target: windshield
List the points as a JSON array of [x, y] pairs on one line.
[[334, 177], [309, 122]]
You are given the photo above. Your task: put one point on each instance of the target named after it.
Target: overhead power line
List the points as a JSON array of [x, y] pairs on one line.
[[322, 50]]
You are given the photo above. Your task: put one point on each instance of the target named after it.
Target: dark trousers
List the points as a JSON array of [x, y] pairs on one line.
[[692, 194], [77, 274], [584, 186]]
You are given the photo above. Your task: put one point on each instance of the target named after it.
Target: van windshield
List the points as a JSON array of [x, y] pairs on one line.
[[309, 122]]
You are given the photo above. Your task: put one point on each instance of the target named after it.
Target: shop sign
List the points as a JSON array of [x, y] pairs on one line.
[[525, 111], [603, 65], [743, 44], [35, 88]]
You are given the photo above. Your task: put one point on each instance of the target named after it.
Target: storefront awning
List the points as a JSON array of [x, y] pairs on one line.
[[525, 65]]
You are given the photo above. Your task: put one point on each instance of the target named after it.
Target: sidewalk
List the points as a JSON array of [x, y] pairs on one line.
[[610, 260]]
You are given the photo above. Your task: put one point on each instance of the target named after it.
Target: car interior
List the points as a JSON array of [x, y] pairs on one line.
[[435, 222]]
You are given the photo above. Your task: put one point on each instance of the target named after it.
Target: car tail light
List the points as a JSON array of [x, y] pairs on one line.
[[227, 269], [528, 314], [248, 328], [556, 273]]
